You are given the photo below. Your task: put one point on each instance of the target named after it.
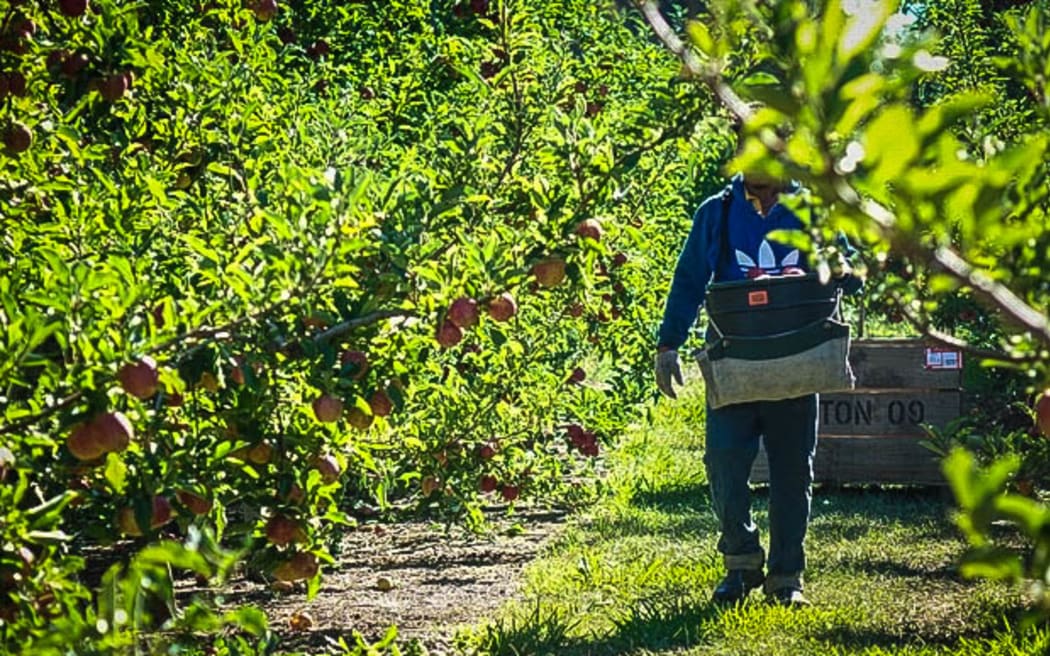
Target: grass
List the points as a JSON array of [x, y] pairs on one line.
[[633, 575]]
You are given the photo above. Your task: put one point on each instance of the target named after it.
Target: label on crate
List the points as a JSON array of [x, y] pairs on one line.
[[943, 358]]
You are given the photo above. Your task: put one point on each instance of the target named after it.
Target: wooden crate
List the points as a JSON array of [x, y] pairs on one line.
[[871, 435]]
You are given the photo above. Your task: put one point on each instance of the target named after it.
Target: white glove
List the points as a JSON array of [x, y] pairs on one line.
[[668, 365]]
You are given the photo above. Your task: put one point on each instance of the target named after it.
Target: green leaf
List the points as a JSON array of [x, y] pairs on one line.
[[862, 28], [249, 619], [170, 553], [890, 143], [701, 37], [116, 472]]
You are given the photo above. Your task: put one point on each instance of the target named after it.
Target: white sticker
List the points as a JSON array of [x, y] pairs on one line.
[[943, 358]]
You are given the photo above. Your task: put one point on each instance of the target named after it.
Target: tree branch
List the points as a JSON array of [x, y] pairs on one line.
[[695, 68]]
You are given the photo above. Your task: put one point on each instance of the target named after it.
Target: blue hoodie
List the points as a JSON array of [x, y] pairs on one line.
[[750, 253]]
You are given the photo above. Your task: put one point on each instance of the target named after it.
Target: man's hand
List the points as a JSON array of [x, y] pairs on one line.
[[668, 365]]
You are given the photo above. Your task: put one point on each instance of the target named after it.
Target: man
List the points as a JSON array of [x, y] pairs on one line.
[[788, 427]]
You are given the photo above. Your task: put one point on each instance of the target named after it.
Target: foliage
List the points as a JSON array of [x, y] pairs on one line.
[[984, 501], [276, 209]]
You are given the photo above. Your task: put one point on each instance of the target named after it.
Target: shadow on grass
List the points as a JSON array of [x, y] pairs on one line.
[[650, 626], [676, 497], [896, 569]]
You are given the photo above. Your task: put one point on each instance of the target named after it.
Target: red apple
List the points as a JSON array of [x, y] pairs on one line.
[[510, 492], [574, 431], [127, 523], [301, 565], [18, 138], [487, 451], [162, 513], [140, 379], [24, 27], [73, 8], [429, 485], [578, 375], [358, 418], [318, 49], [503, 307], [589, 229], [488, 483], [265, 10], [84, 443], [286, 35], [327, 408], [295, 494], [261, 453], [114, 431], [281, 530], [449, 334], [359, 360], [16, 84], [113, 87], [328, 466], [75, 63], [1042, 413], [463, 312], [619, 260], [380, 404], [194, 502], [549, 272]]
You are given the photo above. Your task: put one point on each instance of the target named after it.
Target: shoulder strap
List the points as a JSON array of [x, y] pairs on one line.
[[727, 200]]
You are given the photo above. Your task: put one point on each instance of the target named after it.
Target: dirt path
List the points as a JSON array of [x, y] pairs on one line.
[[440, 581]]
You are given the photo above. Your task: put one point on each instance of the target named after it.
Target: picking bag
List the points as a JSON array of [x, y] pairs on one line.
[[774, 338]]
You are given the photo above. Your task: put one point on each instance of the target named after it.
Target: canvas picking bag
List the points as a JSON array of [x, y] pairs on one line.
[[774, 338]]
